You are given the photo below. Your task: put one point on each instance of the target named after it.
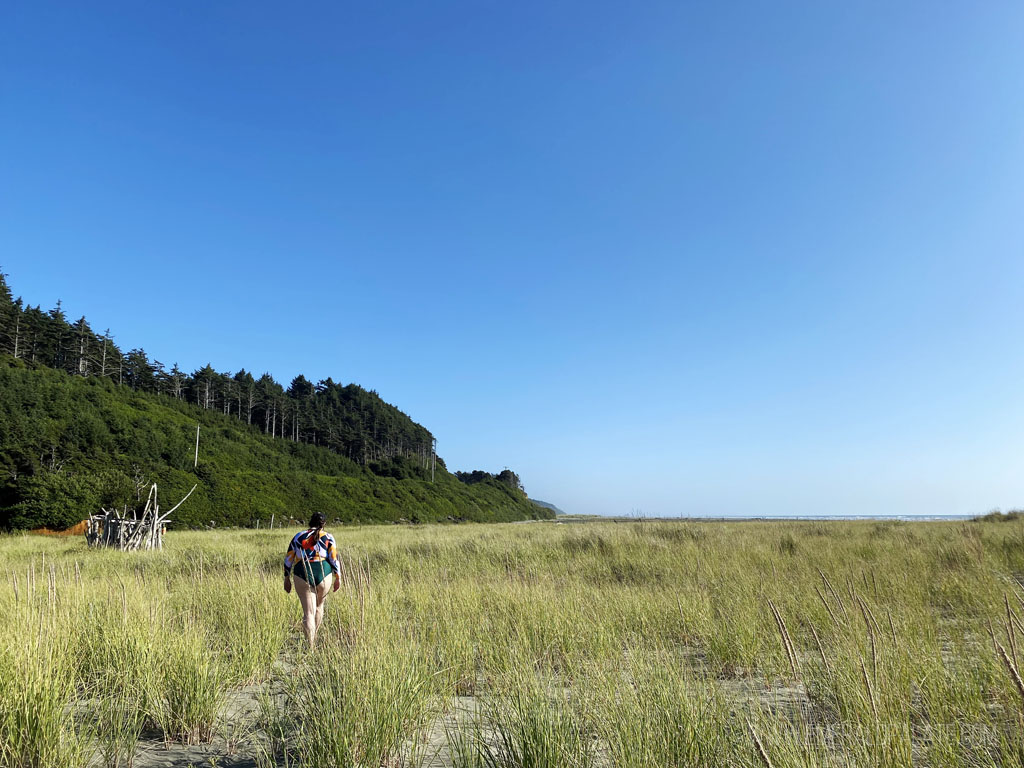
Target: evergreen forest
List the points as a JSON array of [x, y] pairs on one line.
[[86, 425]]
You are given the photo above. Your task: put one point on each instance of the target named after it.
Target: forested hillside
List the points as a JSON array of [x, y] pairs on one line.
[[84, 424]]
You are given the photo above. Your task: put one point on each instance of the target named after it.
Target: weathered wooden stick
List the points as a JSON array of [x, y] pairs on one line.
[[182, 501]]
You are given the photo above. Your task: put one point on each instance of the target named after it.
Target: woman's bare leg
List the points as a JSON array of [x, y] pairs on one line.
[[308, 599], [323, 589]]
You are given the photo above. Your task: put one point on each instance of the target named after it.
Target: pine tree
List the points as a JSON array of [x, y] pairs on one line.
[[176, 382], [10, 315], [139, 373], [246, 394], [57, 335], [83, 342], [204, 388]]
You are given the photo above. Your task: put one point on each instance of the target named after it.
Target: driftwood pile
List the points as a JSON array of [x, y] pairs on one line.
[[140, 531]]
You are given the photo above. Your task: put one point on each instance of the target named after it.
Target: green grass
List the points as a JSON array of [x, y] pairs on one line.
[[596, 644]]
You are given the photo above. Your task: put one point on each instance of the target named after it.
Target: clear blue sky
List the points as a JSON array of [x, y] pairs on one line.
[[684, 258]]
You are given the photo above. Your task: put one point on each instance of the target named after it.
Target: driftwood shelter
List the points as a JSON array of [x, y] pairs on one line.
[[140, 531]]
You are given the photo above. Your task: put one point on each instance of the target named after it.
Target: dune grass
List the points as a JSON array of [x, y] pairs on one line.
[[599, 644]]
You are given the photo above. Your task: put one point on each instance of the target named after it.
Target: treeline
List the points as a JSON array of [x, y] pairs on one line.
[[70, 445], [505, 477], [84, 425], [346, 419]]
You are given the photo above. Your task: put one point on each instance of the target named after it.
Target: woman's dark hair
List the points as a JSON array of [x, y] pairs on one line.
[[318, 520]]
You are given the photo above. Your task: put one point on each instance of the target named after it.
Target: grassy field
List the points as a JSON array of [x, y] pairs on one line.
[[524, 645]]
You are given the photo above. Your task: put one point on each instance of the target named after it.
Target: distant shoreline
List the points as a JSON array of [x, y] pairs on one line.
[[764, 518]]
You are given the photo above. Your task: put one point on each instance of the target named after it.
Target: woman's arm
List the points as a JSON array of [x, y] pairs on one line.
[[289, 561], [332, 558]]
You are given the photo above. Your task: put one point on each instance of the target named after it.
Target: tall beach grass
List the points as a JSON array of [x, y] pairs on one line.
[[598, 644]]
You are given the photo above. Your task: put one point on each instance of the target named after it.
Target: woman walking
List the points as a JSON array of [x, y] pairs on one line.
[[313, 557]]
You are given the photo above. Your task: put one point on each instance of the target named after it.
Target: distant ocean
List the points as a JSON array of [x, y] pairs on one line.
[[742, 518], [908, 518]]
